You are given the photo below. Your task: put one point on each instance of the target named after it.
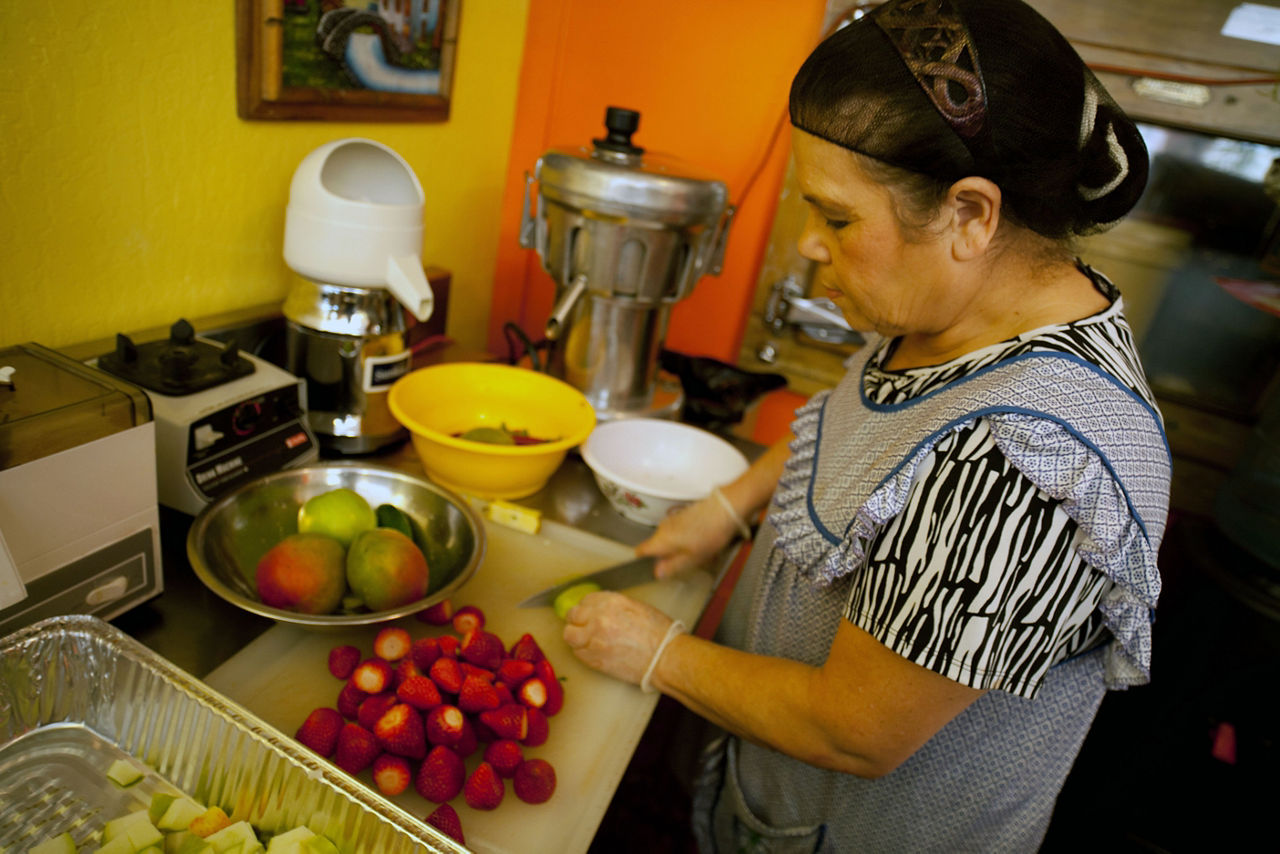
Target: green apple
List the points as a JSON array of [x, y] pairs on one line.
[[339, 513], [572, 596]]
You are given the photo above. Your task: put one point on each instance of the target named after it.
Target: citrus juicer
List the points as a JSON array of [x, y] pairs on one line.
[[625, 234], [353, 234]]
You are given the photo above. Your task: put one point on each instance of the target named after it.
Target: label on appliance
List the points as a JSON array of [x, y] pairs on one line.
[[1254, 22], [381, 371]]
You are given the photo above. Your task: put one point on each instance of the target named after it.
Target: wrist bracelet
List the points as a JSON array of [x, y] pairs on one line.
[[743, 528], [674, 629]]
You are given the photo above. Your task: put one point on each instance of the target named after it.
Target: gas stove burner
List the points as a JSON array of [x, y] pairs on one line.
[[178, 366]]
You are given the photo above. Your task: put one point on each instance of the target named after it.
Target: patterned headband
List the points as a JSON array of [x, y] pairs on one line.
[[935, 45]]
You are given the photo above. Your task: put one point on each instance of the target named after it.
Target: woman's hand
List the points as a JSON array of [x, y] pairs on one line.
[[615, 634], [689, 537]]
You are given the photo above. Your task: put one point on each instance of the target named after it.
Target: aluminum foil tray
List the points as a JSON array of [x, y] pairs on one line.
[[76, 694]]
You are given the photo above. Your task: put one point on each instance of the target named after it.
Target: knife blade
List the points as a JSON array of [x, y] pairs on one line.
[[617, 577]]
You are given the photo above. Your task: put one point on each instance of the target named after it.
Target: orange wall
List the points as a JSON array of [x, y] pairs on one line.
[[710, 80]]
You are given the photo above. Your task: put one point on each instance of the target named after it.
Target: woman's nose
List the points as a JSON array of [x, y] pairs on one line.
[[810, 246]]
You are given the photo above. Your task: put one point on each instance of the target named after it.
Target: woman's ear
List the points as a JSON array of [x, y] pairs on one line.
[[975, 207]]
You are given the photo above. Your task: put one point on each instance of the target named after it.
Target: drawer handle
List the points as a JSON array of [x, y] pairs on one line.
[[109, 592]]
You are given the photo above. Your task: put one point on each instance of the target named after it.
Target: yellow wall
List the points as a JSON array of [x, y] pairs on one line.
[[131, 194]]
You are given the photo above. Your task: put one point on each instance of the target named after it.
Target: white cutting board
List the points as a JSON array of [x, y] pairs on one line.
[[282, 675]]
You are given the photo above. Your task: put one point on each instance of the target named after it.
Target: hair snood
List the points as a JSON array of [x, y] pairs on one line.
[[951, 88]]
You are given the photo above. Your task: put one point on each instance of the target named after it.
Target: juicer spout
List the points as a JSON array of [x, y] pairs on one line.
[[408, 283], [561, 310]]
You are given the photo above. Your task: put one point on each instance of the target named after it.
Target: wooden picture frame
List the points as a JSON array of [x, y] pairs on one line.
[[330, 60]]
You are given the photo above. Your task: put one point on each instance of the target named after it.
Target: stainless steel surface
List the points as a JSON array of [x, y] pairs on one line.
[[78, 693], [618, 577], [349, 345], [227, 539]]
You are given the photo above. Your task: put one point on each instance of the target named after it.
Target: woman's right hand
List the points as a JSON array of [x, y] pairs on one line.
[[689, 537]]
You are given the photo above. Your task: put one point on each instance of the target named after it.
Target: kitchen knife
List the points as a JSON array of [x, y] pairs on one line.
[[617, 577]]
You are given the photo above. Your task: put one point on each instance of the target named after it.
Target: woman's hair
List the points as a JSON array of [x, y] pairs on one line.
[[952, 88]]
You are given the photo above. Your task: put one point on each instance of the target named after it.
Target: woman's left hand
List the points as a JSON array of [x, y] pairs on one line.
[[615, 634]]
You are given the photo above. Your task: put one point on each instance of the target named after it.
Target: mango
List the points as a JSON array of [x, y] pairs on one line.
[[386, 569], [304, 573]]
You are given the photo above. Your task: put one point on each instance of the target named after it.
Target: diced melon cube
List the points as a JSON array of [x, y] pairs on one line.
[[319, 845], [191, 844], [144, 834], [121, 826], [154, 849], [209, 822], [160, 802], [232, 836], [118, 845], [180, 814], [124, 773], [60, 844], [290, 842]]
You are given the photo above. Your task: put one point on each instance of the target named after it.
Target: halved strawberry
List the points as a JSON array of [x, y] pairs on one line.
[[512, 671], [482, 648], [373, 675], [539, 729], [440, 776], [444, 724], [477, 694], [504, 755], [392, 643], [467, 619], [343, 660], [438, 614], [419, 692], [509, 721], [555, 691], [374, 707], [526, 649], [448, 646], [357, 748], [320, 731], [447, 675], [349, 700], [483, 789], [444, 818], [400, 731], [533, 692], [468, 742], [424, 653], [391, 774], [534, 781]]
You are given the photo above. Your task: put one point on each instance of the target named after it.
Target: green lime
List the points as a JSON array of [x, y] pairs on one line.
[[572, 596], [390, 516]]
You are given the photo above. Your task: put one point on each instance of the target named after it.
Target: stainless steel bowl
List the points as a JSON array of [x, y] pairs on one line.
[[232, 533]]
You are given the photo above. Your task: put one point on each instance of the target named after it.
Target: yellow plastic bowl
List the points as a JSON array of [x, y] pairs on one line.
[[438, 402]]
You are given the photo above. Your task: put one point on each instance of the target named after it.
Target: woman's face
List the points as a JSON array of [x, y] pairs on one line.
[[880, 281]]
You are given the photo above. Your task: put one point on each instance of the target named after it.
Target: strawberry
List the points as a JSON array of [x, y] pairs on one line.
[[512, 671], [357, 748], [483, 789], [526, 649], [538, 730], [400, 731], [509, 721], [392, 643], [477, 694], [373, 675], [349, 700], [534, 781], [424, 653], [467, 619], [444, 818], [533, 692], [438, 614], [504, 694], [447, 675], [343, 660], [391, 774], [440, 775], [483, 732], [469, 669], [482, 648], [444, 724], [448, 646], [320, 731], [555, 691], [504, 755], [468, 742], [374, 707], [419, 692], [403, 671]]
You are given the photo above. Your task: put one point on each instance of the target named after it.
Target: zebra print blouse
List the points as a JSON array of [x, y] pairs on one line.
[[999, 553]]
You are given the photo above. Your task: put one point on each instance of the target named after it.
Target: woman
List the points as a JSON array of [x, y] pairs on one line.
[[959, 556]]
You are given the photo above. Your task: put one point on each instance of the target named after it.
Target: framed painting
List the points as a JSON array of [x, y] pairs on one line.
[[345, 60]]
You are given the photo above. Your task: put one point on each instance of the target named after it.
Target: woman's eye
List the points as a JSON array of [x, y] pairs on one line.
[[835, 224]]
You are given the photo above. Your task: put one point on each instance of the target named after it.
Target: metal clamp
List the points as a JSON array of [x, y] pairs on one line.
[[817, 317]]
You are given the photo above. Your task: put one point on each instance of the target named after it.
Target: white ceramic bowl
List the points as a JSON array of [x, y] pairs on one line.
[[648, 467]]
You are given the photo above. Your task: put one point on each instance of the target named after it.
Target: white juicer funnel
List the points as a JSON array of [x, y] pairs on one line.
[[355, 219]]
